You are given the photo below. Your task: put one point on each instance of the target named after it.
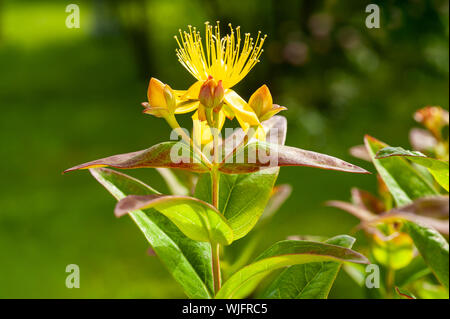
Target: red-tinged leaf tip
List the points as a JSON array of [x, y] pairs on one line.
[[403, 294], [158, 155], [135, 202], [374, 140], [132, 203]]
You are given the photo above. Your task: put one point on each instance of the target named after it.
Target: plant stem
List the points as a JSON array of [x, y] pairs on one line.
[[172, 121], [215, 250], [215, 179], [390, 282]]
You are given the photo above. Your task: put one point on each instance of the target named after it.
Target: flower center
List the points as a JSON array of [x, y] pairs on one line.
[[223, 58]]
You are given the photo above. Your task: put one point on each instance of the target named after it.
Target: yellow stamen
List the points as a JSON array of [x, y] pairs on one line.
[[222, 58]]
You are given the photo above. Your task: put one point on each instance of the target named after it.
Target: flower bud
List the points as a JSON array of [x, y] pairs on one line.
[[262, 104], [161, 99], [434, 118], [211, 93]]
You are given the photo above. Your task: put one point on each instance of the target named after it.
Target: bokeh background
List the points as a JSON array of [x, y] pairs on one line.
[[72, 95]]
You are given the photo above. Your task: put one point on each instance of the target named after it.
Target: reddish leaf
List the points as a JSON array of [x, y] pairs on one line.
[[197, 219], [257, 155], [366, 200], [359, 212], [158, 155]]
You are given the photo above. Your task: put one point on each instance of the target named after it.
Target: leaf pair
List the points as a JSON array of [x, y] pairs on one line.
[[415, 195], [188, 261], [249, 158], [289, 253]]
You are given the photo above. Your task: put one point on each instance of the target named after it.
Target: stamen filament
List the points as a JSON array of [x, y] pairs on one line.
[[223, 58]]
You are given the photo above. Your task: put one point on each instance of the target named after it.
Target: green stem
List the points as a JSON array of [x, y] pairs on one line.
[[390, 282], [215, 179], [172, 121]]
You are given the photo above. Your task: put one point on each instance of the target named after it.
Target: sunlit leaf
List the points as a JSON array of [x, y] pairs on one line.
[[188, 261], [167, 154], [282, 254], [196, 219], [439, 169], [242, 198], [403, 181], [308, 281], [414, 271]]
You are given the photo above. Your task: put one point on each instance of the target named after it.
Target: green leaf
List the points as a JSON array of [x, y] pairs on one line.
[[433, 248], [196, 219], [403, 181], [243, 198], [282, 254], [167, 154], [188, 261], [414, 271], [439, 169], [279, 195], [308, 281], [258, 155]]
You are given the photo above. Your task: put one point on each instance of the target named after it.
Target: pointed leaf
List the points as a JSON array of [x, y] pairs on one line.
[[188, 261], [282, 254], [359, 212], [439, 169], [242, 198], [433, 248], [404, 182], [427, 211], [167, 154], [368, 201], [257, 155], [414, 271], [196, 219], [308, 281]]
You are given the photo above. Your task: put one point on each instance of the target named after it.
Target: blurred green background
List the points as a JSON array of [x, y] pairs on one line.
[[72, 95]]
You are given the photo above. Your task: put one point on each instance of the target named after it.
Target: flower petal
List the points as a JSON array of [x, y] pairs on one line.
[[155, 93], [241, 109], [186, 106], [193, 92]]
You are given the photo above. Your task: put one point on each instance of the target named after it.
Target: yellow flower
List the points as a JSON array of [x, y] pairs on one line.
[[218, 63], [223, 58], [162, 100]]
